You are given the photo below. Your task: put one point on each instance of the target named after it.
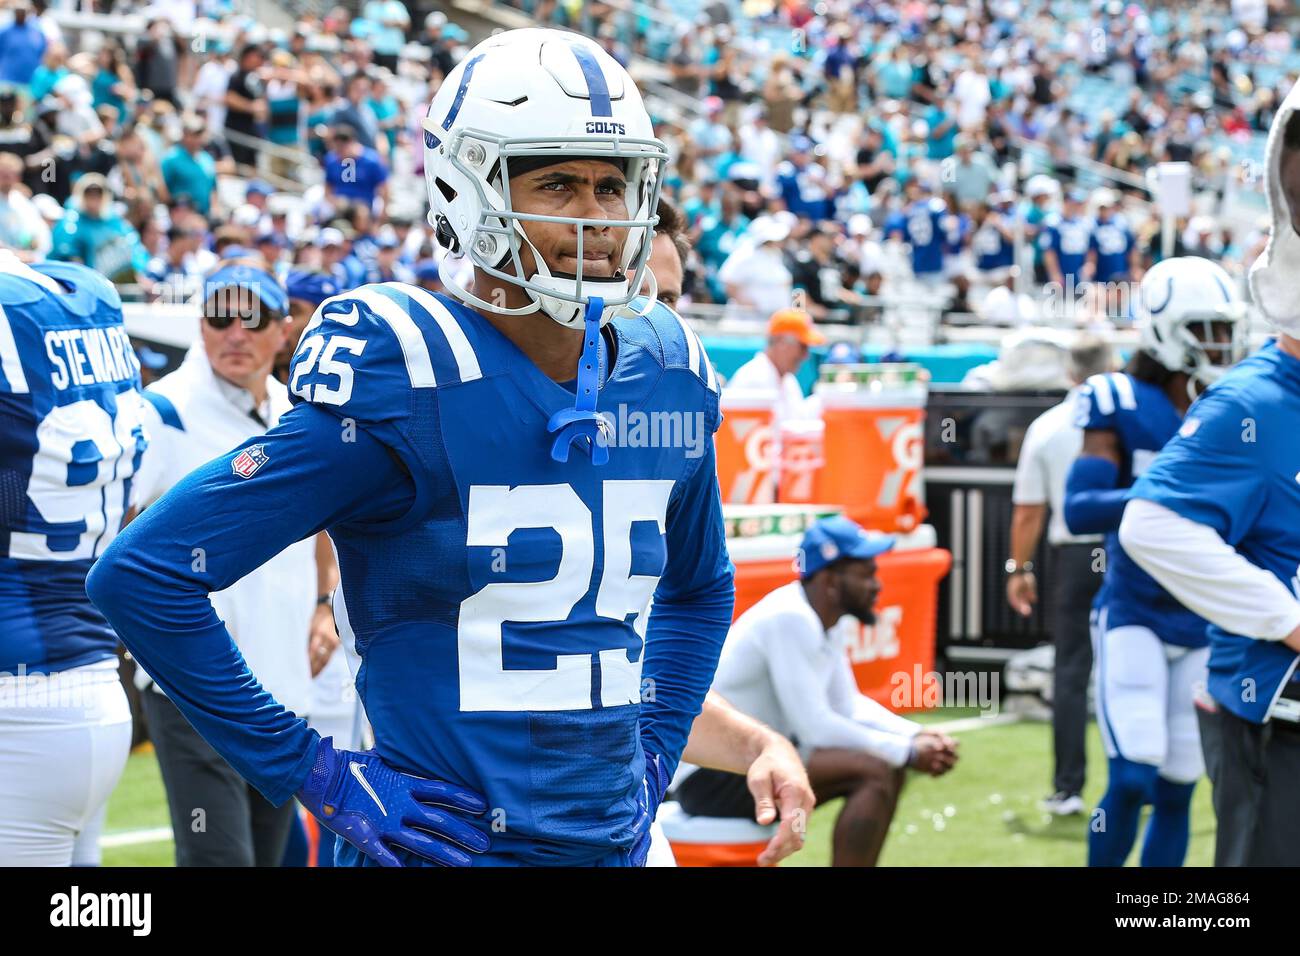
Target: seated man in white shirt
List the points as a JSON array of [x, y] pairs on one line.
[[783, 664]]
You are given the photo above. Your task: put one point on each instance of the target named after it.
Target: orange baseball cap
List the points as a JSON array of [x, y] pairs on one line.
[[795, 322]]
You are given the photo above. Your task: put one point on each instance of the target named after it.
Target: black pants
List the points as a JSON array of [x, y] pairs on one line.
[[1255, 772], [218, 819], [1074, 585], [716, 793]]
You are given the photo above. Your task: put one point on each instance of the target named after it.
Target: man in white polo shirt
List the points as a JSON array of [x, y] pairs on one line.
[[785, 664], [222, 395], [1051, 444], [790, 338]]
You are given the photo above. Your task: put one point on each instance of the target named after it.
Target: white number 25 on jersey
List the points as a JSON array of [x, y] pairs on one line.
[[495, 511]]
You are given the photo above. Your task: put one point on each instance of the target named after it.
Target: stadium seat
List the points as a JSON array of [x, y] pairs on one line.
[[713, 841]]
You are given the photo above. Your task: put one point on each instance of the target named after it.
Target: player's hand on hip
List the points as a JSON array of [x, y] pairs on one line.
[[650, 794], [1022, 593], [781, 790], [379, 809]]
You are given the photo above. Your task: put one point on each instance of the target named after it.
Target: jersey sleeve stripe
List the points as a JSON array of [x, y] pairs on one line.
[[466, 360], [414, 349], [695, 355], [1123, 386], [165, 409], [1101, 394], [10, 361]]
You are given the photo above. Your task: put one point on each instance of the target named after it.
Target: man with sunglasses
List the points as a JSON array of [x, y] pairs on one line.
[[221, 397]]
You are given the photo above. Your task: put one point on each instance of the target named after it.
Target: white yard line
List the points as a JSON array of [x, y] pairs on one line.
[[135, 837], [965, 724]]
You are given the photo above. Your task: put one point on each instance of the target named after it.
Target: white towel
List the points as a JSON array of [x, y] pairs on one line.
[[1275, 276]]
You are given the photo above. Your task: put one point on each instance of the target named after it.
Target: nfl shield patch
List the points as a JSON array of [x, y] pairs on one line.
[[249, 460]]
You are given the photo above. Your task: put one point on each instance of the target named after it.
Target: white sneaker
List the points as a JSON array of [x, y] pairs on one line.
[[1063, 804]]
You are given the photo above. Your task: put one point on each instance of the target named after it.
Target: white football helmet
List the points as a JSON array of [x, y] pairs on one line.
[[523, 95], [1192, 318]]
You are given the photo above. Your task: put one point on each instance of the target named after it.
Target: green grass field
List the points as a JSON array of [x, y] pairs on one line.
[[985, 813]]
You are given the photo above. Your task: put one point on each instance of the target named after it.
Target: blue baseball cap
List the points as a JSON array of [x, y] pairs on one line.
[[259, 188], [833, 538], [313, 287], [264, 285]]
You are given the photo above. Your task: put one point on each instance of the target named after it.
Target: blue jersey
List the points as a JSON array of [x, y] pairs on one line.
[[498, 599], [1143, 420], [1234, 466], [921, 225], [955, 229], [1069, 239], [992, 249], [1112, 242], [70, 440]]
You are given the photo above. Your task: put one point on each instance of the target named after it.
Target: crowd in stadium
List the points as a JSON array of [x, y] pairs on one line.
[[851, 151]]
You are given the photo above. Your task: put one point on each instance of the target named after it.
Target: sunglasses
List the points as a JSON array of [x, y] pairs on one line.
[[254, 323]]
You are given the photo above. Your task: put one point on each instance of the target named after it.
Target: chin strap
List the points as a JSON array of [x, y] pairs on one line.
[[582, 423]]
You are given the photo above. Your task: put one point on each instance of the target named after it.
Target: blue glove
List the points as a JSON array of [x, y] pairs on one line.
[[374, 807], [653, 787]]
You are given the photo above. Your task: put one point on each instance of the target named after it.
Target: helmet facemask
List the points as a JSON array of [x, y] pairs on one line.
[[497, 238], [1213, 342]]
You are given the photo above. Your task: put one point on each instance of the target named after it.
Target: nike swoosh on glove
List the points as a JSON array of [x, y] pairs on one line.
[[653, 787], [376, 807]]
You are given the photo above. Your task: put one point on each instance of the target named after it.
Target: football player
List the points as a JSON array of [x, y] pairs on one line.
[[1214, 521], [499, 544], [70, 441], [1150, 651]]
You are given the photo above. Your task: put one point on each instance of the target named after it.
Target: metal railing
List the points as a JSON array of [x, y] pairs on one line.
[[308, 166]]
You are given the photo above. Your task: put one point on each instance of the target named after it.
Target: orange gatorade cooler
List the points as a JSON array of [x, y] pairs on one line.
[[874, 444], [747, 447], [802, 457], [713, 841]]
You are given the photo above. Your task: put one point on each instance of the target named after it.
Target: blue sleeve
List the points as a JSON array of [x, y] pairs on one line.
[[690, 616], [1093, 503], [896, 223], [205, 534], [1215, 471]]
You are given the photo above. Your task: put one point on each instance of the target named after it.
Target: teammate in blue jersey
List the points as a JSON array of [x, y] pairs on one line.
[[1150, 650], [993, 242], [1112, 247], [70, 441], [1214, 520], [500, 536], [1064, 240], [921, 225]]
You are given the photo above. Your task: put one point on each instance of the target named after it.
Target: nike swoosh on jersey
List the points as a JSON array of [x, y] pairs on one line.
[[356, 769]]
